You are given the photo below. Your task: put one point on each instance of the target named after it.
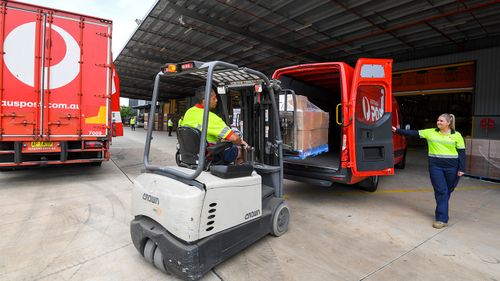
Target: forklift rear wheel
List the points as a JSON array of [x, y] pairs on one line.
[[178, 158], [158, 260], [370, 184], [281, 219], [149, 251]]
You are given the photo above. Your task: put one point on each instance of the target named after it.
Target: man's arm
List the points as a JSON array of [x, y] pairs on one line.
[[235, 138]]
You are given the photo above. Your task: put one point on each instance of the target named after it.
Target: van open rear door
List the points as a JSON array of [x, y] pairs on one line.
[[370, 141]]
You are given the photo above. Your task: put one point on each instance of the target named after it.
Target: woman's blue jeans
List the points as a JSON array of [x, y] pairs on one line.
[[444, 181]]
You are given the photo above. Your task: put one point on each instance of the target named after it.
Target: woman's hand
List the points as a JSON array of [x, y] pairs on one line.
[[460, 173], [393, 129]]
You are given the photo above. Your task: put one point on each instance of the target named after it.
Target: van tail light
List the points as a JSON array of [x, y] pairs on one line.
[[344, 142], [93, 144]]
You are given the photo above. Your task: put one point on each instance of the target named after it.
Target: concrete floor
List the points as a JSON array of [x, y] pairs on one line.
[[72, 223]]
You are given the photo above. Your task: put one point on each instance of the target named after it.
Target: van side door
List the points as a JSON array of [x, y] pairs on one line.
[[370, 138]]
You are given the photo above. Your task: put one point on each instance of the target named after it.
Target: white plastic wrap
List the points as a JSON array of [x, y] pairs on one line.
[[303, 104], [310, 122]]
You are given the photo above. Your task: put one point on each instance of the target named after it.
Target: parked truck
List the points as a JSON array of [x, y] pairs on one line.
[[59, 92], [352, 142]]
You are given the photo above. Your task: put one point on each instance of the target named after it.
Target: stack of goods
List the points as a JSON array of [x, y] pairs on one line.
[[307, 134], [156, 124], [146, 120]]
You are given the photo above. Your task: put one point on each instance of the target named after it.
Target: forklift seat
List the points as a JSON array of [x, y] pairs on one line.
[[189, 145], [187, 155]]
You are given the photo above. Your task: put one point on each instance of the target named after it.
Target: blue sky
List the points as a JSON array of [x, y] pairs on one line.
[[123, 13]]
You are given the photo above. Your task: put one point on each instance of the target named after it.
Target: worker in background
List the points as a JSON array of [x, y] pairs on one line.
[[132, 123], [446, 161], [217, 129], [179, 123], [170, 125]]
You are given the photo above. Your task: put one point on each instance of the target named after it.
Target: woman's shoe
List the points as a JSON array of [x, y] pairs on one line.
[[439, 224]]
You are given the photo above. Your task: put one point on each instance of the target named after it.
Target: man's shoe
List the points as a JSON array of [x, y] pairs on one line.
[[439, 224]]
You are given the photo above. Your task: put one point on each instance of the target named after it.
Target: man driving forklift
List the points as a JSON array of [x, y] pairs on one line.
[[217, 129]]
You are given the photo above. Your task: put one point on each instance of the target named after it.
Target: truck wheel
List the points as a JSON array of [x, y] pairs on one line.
[[158, 260], [370, 184], [149, 251], [96, 164], [402, 164], [281, 218]]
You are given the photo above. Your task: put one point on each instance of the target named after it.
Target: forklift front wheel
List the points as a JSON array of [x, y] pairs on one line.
[[281, 218]]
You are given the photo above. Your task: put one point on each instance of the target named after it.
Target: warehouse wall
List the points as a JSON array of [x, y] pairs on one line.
[[487, 86]]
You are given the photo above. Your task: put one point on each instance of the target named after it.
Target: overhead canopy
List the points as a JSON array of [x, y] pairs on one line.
[[266, 35]]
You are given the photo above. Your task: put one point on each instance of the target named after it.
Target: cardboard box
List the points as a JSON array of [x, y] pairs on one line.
[[495, 150], [166, 108], [311, 120], [307, 139]]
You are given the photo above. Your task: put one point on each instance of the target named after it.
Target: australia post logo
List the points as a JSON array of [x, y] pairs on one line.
[[20, 51], [370, 105]]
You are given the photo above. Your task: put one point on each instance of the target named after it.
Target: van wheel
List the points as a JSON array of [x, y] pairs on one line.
[[402, 163], [281, 218], [370, 184]]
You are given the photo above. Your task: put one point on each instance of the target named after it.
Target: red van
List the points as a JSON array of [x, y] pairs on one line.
[[361, 146]]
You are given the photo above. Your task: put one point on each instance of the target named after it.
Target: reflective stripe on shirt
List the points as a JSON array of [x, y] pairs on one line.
[[443, 156]]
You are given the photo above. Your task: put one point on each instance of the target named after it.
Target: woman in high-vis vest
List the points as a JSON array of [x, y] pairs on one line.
[[446, 161]]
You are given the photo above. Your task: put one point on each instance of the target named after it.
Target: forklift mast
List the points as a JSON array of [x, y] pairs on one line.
[[259, 112]]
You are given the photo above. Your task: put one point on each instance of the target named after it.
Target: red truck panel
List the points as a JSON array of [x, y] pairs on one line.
[[74, 98], [21, 76], [55, 86], [77, 95]]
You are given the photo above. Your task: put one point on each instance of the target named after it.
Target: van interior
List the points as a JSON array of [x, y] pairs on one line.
[[322, 87]]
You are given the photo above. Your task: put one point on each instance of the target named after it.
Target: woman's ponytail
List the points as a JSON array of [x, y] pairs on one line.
[[450, 118], [452, 122]]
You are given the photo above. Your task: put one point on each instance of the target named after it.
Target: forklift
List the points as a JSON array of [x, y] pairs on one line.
[[191, 217]]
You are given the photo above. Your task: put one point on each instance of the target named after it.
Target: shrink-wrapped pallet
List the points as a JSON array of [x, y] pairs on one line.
[[307, 127]]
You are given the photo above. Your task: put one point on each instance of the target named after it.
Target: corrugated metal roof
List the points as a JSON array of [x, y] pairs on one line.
[[266, 35]]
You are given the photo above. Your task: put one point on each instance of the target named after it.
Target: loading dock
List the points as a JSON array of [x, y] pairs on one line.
[[424, 93]]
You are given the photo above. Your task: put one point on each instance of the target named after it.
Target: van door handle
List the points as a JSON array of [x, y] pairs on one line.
[[337, 114], [369, 135]]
